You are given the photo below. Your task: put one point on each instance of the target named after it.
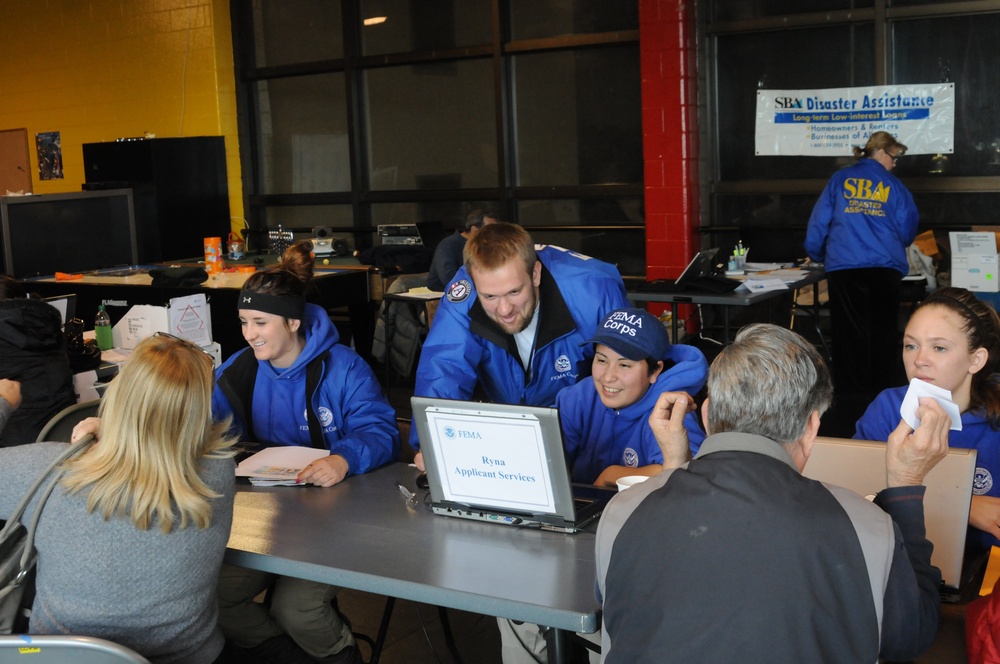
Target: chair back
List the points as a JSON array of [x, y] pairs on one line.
[[59, 649], [59, 429]]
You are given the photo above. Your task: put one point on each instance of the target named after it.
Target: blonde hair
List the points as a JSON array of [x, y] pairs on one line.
[[156, 427]]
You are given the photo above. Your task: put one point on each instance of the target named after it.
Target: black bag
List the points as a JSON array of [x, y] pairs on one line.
[[17, 548]]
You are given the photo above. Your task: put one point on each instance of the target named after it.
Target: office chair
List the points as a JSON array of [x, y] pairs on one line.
[[58, 649], [60, 428]]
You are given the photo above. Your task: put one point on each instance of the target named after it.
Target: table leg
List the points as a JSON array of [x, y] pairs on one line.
[[555, 640]]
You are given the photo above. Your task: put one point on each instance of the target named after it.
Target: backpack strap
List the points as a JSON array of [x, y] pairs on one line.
[[237, 384], [314, 372]]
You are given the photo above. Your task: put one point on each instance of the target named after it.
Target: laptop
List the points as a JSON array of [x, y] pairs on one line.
[[501, 464], [700, 275], [860, 466]]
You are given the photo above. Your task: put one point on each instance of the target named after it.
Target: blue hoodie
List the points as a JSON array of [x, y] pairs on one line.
[[358, 423], [597, 437], [882, 418]]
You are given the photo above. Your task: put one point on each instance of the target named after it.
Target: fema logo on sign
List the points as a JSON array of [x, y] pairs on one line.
[[982, 482], [459, 290], [325, 416], [630, 458], [449, 431], [563, 364]]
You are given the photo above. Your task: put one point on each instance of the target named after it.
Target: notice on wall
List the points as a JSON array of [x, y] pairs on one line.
[[825, 123]]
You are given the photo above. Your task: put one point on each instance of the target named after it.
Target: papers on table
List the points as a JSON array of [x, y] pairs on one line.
[[765, 267], [278, 466], [423, 293], [918, 388], [760, 284]]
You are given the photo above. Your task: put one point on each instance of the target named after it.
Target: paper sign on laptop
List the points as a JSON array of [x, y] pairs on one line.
[[918, 388]]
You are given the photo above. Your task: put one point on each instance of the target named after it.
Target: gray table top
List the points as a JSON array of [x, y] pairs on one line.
[[650, 293], [361, 534]]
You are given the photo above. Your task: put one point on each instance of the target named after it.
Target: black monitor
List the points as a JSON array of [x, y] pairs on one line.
[[75, 232]]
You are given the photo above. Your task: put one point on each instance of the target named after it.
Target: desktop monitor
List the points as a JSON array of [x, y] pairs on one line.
[[75, 232]]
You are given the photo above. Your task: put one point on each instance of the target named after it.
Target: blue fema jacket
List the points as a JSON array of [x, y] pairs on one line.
[[464, 348], [864, 218], [357, 422], [597, 436]]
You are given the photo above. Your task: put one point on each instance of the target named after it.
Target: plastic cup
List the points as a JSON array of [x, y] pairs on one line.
[[630, 480]]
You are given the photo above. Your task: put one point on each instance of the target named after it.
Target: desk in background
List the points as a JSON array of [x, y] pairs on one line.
[[334, 288], [653, 292], [360, 534]]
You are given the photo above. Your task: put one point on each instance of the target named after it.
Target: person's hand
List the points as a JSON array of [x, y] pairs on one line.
[[985, 514], [324, 472], [10, 391], [418, 461], [911, 454], [667, 423], [91, 425]]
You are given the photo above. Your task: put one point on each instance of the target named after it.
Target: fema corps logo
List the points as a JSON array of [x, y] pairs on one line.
[[325, 416], [449, 431], [982, 482], [562, 364], [630, 458], [459, 290]]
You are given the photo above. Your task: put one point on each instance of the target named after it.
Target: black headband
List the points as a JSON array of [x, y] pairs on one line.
[[279, 305], [941, 298]]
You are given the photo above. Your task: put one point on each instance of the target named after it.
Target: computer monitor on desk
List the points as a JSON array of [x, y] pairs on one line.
[[65, 304]]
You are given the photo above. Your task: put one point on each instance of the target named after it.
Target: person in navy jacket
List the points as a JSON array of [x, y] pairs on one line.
[[860, 229], [605, 420], [513, 319], [296, 385]]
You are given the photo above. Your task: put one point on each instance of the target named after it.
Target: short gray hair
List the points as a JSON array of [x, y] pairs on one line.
[[767, 382]]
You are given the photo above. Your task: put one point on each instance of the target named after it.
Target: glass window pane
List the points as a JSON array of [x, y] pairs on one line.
[[840, 56], [577, 117], [293, 31], [624, 248], [535, 19], [423, 26], [576, 212], [961, 49], [302, 135], [432, 126], [451, 214], [957, 211], [735, 10]]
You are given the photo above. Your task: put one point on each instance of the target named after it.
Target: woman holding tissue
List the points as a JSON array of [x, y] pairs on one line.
[[297, 385], [952, 342]]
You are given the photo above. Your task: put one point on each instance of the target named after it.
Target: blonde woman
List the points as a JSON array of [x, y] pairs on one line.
[[131, 543]]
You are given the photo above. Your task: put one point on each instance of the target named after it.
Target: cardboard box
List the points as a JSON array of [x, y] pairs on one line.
[[186, 317], [974, 262]]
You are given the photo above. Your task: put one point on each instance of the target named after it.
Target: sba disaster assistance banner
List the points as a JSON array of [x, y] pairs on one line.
[[825, 123]]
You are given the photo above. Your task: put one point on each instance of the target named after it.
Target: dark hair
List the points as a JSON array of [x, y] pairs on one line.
[[289, 278], [982, 328], [477, 218], [11, 288], [652, 365]]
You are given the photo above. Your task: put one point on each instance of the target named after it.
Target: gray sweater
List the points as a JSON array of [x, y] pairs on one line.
[[149, 591]]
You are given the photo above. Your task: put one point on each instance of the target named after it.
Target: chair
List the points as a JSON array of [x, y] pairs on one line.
[[60, 428], [58, 649]]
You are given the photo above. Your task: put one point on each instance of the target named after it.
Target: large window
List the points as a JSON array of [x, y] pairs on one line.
[[804, 44], [357, 113]]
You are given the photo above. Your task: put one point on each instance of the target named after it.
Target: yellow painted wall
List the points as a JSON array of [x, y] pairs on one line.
[[97, 70]]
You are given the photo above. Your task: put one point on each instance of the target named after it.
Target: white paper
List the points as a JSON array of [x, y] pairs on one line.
[[758, 285], [141, 321], [83, 383], [191, 319], [918, 388], [279, 464]]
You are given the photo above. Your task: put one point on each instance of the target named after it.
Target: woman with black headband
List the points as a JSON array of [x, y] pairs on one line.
[[952, 341], [296, 385]]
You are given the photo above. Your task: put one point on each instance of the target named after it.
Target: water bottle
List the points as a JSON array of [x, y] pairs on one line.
[[102, 328]]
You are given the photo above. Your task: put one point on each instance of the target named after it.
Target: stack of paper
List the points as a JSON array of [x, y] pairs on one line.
[[278, 466]]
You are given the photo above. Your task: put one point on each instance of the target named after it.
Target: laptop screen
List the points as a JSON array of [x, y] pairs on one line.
[[494, 455]]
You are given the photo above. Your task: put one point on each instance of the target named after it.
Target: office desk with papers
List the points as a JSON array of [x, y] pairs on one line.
[[791, 280], [362, 534]]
